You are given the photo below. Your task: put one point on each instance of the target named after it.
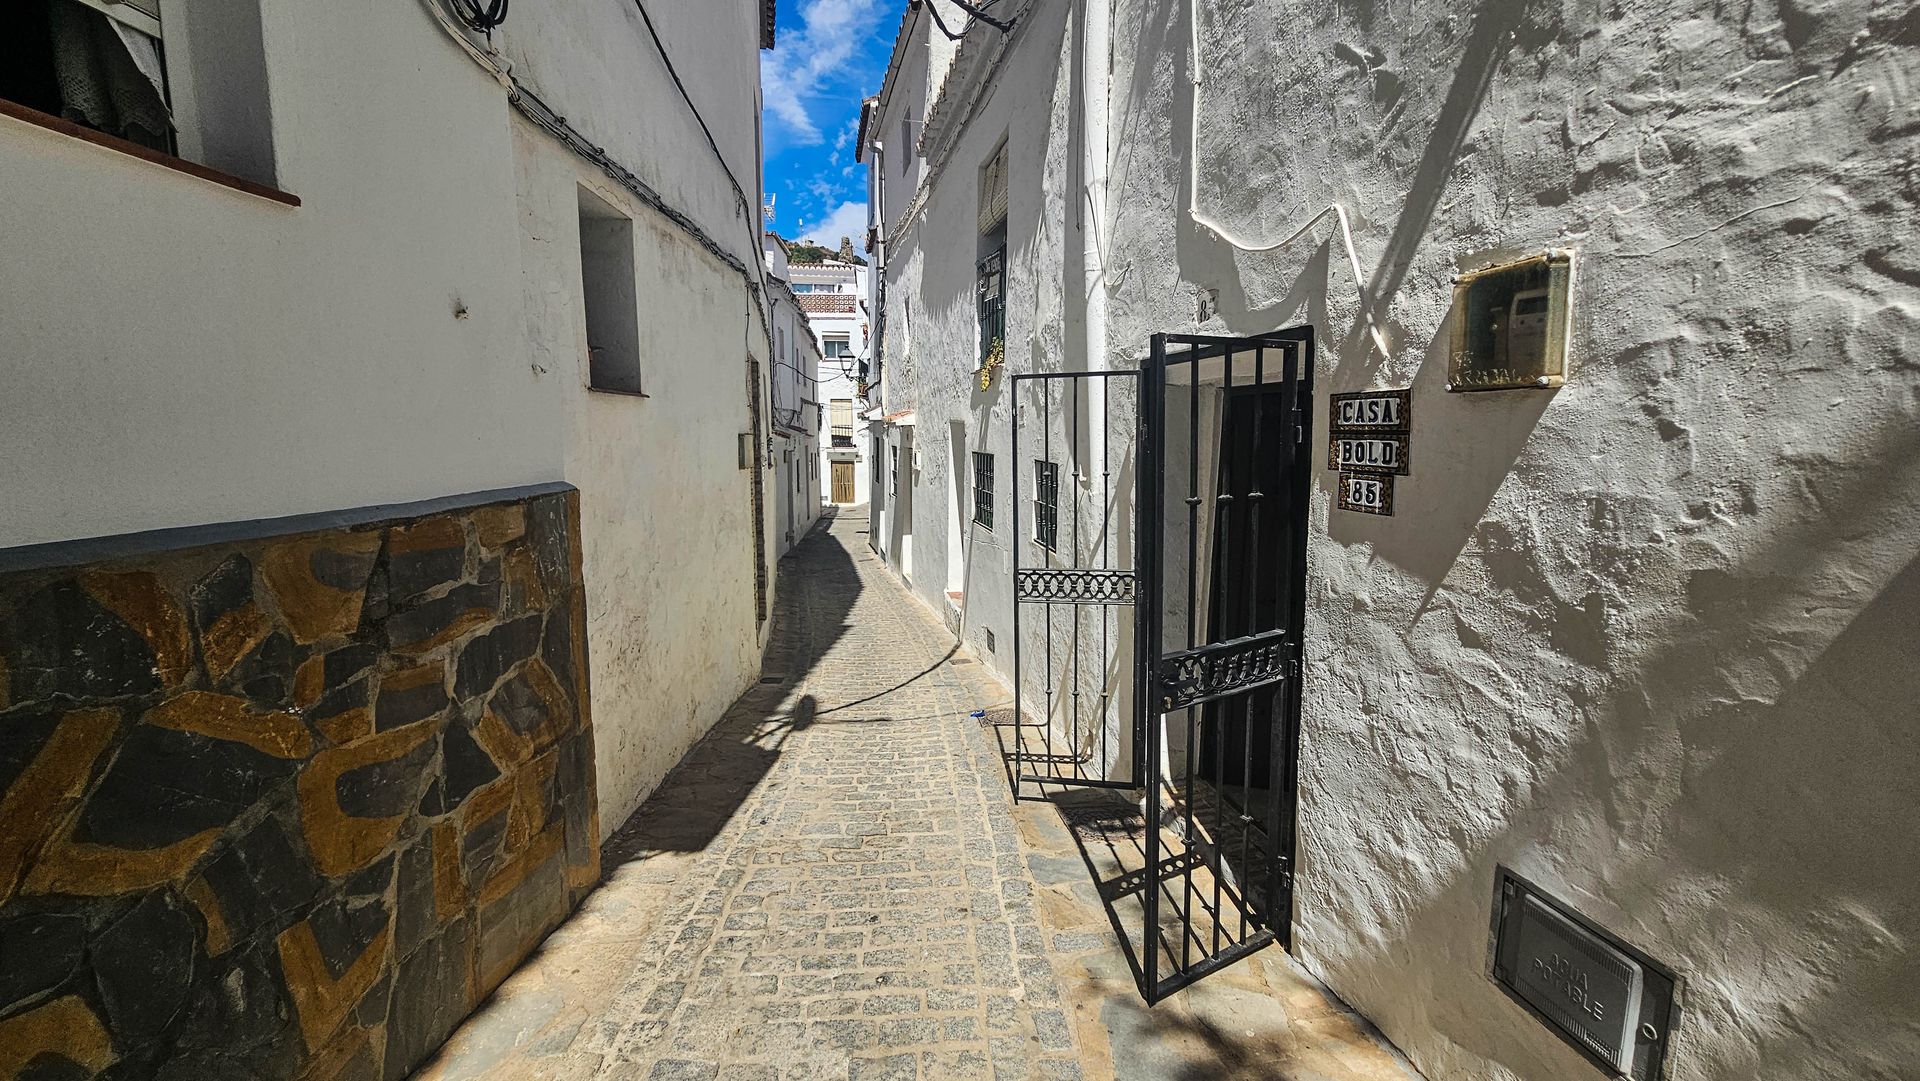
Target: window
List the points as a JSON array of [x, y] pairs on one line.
[[893, 474], [1046, 504], [607, 290], [906, 144], [992, 286], [801, 287], [983, 489], [837, 346], [94, 63], [991, 277], [195, 86], [842, 430]]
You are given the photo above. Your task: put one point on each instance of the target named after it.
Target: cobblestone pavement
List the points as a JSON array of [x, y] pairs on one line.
[[834, 884]]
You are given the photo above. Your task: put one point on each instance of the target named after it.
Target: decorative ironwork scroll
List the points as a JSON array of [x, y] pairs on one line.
[[1074, 586], [1223, 668]]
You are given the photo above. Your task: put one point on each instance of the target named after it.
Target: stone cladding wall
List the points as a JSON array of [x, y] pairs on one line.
[[289, 807]]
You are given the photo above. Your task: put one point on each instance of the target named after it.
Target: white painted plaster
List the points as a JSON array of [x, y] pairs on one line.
[[1646, 639], [174, 352]]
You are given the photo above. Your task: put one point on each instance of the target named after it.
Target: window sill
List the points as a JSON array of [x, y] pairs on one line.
[[617, 391], [147, 154]]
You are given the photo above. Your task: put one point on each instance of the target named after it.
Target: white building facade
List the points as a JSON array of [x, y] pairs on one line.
[[797, 401], [361, 361], [1613, 636], [834, 296]]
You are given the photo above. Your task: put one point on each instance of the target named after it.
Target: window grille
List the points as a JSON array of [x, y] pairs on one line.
[[983, 489], [1046, 504], [842, 428], [993, 301]]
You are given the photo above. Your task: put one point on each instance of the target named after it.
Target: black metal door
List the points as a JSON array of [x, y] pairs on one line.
[[1074, 456], [1159, 539], [1222, 569]]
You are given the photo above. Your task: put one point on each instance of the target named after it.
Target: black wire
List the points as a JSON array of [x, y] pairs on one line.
[[484, 19], [933, 9], [666, 60]]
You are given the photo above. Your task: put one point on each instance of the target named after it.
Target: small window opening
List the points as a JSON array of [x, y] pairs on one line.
[[1046, 504], [991, 279], [97, 64], [983, 489], [608, 291], [842, 430]]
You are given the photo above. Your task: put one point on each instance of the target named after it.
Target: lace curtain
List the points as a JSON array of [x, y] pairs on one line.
[[110, 76]]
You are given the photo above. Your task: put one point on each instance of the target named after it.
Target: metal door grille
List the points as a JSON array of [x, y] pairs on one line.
[[1157, 640], [1225, 486], [1073, 574]]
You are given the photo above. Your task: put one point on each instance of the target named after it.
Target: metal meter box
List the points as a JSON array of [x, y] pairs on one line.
[[1510, 325], [1599, 994]]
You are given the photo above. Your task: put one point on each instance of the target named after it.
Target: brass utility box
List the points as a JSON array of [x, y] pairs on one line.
[[1510, 325]]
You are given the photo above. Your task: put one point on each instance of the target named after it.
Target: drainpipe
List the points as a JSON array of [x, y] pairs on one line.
[[1096, 21], [1095, 32]]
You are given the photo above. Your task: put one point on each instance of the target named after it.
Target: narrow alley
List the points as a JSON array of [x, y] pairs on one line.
[[836, 884]]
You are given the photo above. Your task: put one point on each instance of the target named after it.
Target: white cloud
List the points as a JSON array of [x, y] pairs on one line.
[[847, 219], [803, 58]]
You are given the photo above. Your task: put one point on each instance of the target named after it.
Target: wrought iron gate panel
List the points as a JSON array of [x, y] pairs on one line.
[[1072, 571], [1206, 878], [1221, 860]]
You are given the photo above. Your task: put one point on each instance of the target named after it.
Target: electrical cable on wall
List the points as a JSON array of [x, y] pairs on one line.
[[977, 12], [530, 105], [1193, 196], [482, 19]]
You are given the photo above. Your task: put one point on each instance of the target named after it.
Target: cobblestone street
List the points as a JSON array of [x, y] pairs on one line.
[[835, 884]]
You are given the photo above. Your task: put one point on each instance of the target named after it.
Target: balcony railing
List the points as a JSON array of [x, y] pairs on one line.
[[842, 435]]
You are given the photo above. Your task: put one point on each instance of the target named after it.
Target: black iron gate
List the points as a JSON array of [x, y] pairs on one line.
[[1073, 568], [1199, 516]]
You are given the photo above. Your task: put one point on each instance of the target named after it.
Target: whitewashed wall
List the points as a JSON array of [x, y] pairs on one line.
[[175, 352], [671, 639], [1646, 639], [1635, 638]]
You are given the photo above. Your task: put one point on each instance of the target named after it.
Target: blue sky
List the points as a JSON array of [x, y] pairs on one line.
[[827, 55]]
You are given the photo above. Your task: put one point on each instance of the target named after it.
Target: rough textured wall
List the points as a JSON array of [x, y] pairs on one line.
[[666, 513], [1029, 106], [289, 806], [1649, 638]]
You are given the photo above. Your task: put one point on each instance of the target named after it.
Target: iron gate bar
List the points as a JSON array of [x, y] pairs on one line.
[[1194, 677], [1074, 586]]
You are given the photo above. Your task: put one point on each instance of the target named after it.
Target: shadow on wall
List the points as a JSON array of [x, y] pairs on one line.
[[1472, 443], [1753, 783], [708, 787], [1204, 258]]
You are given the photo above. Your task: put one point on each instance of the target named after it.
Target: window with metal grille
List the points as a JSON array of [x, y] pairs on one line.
[[992, 286], [1046, 504], [842, 430], [991, 283], [983, 489], [893, 474]]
